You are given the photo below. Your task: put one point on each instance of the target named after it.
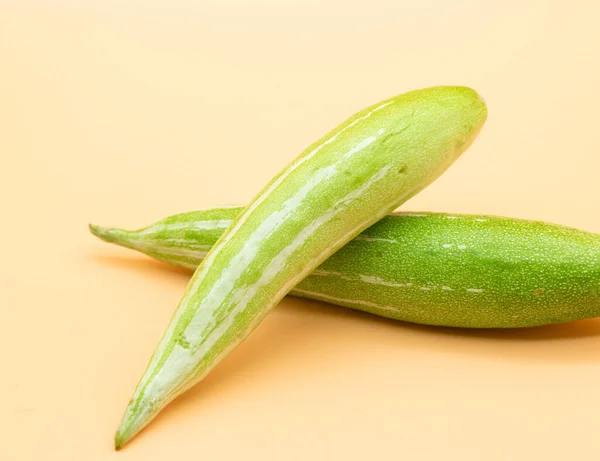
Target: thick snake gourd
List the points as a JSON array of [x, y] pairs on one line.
[[339, 186], [432, 268]]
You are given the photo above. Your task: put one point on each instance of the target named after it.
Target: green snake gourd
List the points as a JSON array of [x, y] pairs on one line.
[[443, 269], [338, 187]]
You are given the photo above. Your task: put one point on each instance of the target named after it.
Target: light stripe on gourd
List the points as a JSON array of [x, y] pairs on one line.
[[431, 268], [339, 186]]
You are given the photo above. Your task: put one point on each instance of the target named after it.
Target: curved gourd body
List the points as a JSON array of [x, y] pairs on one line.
[[339, 186]]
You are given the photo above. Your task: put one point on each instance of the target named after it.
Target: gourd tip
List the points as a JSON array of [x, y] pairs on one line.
[[94, 229], [106, 233], [121, 438]]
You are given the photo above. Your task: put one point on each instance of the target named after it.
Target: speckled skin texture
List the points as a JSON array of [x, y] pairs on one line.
[[431, 268], [468, 271], [339, 186]]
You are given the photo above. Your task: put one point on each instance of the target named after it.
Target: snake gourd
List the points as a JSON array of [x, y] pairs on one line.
[[339, 186], [442, 269]]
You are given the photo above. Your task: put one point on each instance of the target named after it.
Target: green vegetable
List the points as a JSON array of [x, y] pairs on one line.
[[431, 268], [339, 186]]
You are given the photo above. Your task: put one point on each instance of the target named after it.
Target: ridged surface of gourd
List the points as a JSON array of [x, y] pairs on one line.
[[339, 186], [430, 268]]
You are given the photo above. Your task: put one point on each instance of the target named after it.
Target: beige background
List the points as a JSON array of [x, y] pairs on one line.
[[120, 113]]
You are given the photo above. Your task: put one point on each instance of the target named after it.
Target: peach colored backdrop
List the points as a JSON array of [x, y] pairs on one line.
[[120, 113]]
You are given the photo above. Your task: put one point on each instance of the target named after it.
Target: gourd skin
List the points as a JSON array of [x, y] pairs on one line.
[[339, 186], [429, 268], [465, 271]]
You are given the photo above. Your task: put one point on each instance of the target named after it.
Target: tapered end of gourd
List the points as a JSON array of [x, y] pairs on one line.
[[112, 235], [121, 438], [134, 420], [119, 441]]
